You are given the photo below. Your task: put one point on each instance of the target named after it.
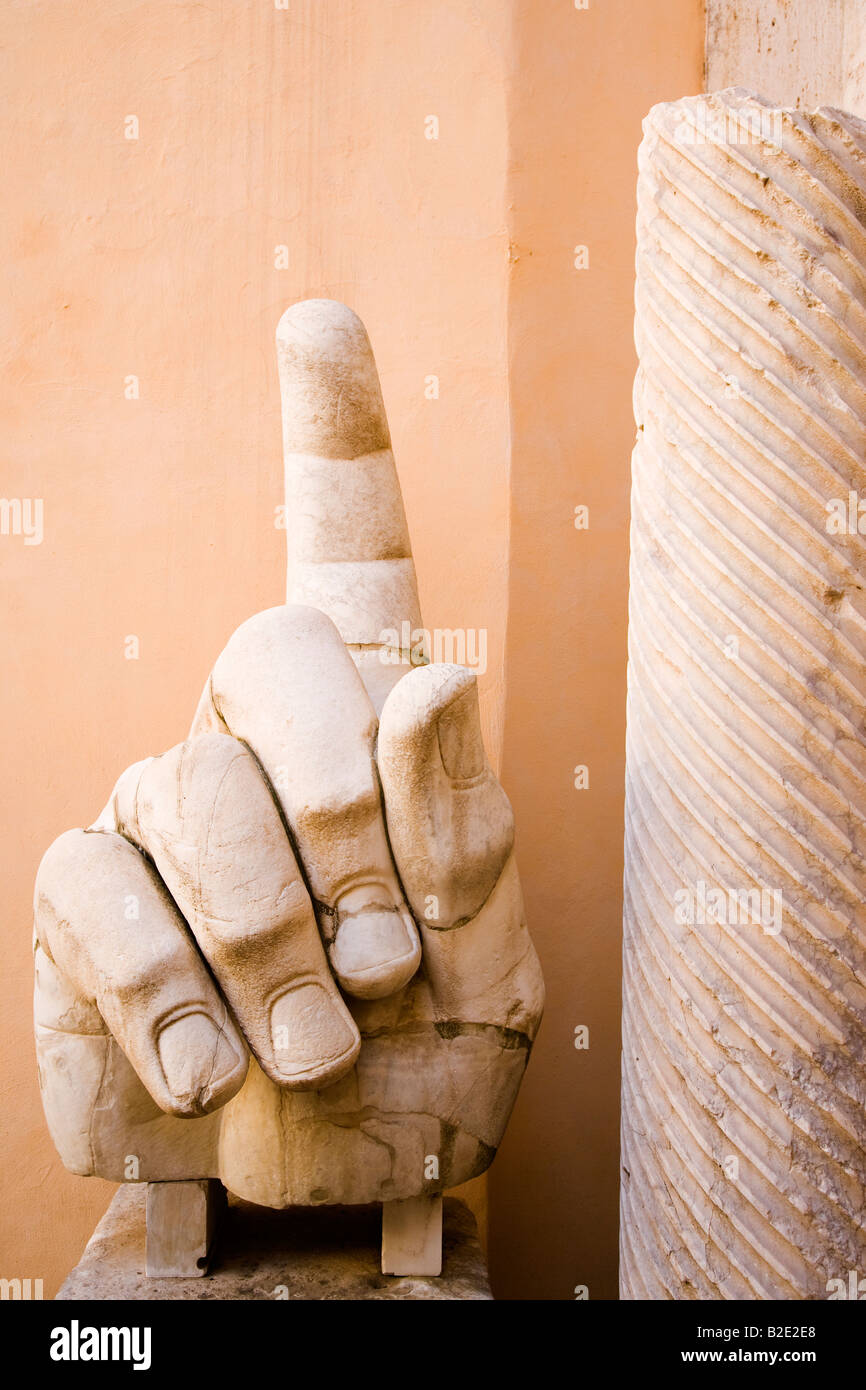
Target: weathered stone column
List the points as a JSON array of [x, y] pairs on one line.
[[744, 1038]]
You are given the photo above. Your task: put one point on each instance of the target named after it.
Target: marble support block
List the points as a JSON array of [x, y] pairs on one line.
[[182, 1219], [744, 1030], [412, 1236], [320, 1253]]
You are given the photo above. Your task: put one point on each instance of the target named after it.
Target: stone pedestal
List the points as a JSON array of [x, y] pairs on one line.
[[330, 1253]]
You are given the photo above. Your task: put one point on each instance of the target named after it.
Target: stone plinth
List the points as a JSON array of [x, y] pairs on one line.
[[329, 1253]]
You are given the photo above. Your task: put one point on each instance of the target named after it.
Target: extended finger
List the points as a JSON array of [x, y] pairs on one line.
[[348, 544]]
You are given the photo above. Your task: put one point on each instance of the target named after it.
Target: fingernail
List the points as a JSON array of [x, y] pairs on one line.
[[202, 1067], [460, 743], [375, 952], [313, 1037]]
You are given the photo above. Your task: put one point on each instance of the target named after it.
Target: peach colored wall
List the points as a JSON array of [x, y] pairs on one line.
[[581, 82], [257, 127], [155, 257]]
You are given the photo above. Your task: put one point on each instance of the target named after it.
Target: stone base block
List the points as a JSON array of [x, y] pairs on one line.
[[328, 1253], [182, 1222], [412, 1236]]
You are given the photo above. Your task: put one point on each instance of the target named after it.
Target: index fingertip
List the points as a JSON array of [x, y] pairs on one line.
[[331, 397]]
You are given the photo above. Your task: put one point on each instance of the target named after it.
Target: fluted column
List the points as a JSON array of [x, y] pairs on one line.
[[744, 1035]]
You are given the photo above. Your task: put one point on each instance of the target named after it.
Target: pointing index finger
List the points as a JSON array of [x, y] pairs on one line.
[[349, 553]]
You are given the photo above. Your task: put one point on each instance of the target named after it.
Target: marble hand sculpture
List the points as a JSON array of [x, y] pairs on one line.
[[291, 951]]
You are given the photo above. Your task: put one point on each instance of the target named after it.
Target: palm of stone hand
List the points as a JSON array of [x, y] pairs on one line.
[[291, 951]]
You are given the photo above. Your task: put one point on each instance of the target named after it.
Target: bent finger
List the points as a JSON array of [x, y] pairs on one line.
[[286, 686], [105, 919], [206, 815]]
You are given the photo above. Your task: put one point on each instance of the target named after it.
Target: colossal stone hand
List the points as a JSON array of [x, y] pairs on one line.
[[291, 951]]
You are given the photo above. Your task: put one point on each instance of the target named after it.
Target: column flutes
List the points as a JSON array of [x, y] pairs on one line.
[[744, 1033]]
